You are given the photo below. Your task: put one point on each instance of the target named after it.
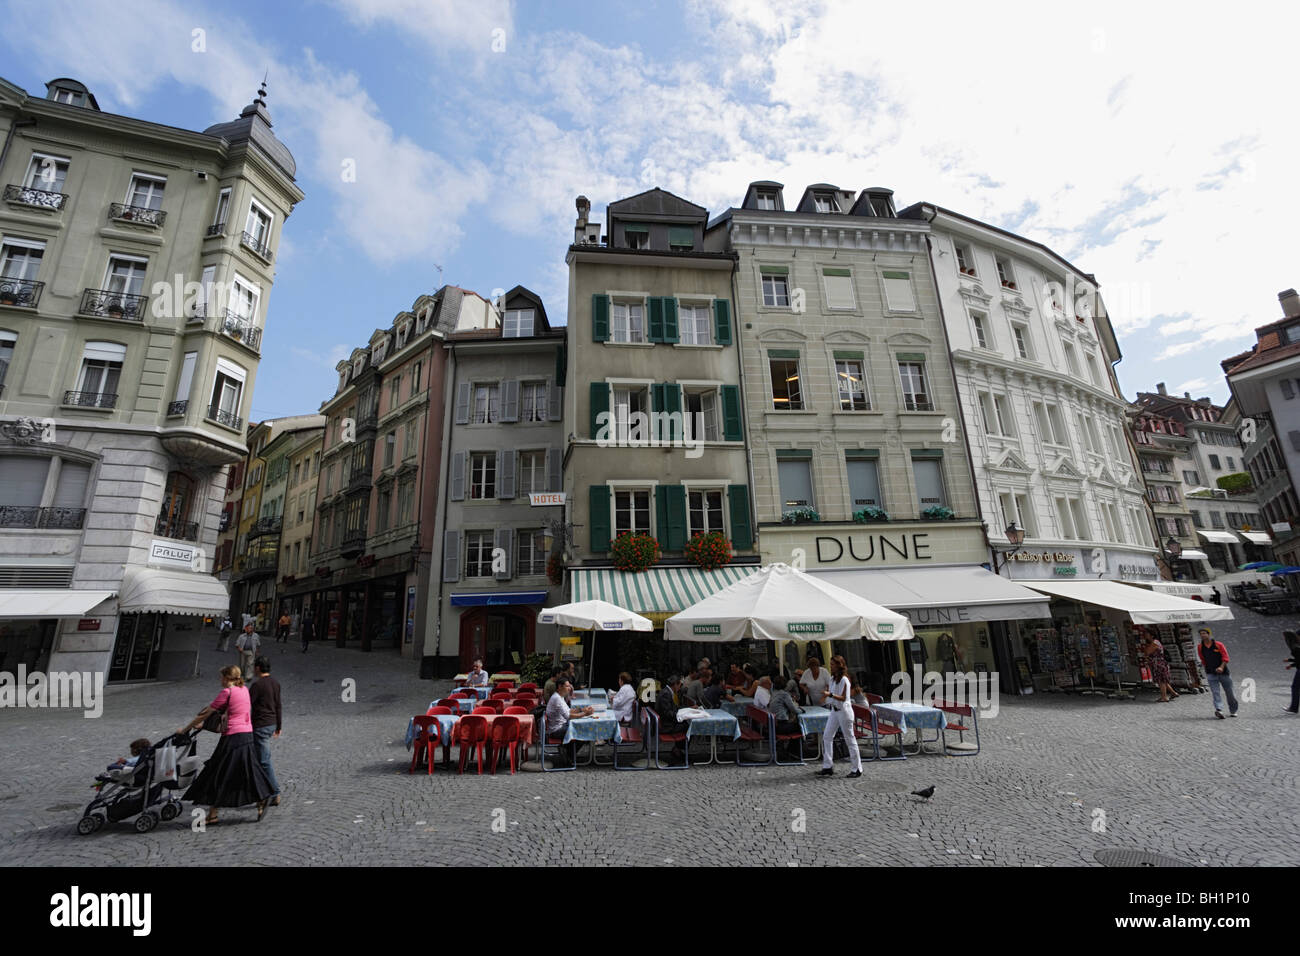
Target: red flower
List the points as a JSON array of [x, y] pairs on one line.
[[709, 551]]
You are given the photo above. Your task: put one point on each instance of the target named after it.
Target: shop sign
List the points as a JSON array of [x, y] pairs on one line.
[[366, 561], [813, 627], [881, 548], [843, 545], [707, 629], [1142, 572], [930, 616], [1066, 572], [324, 571], [1046, 557], [544, 499], [1281, 527], [880, 628], [88, 624], [611, 625], [168, 554]]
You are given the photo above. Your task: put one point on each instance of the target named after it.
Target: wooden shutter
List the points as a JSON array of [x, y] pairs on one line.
[[598, 517], [459, 462], [554, 461], [600, 318], [733, 428], [742, 536], [656, 319], [670, 321], [506, 473], [722, 321], [671, 398], [599, 405], [451, 556], [554, 399], [463, 391], [675, 537], [503, 538], [661, 515], [510, 400], [657, 404]]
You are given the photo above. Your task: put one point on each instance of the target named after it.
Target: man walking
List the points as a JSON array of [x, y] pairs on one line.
[[308, 631], [248, 643], [282, 634], [223, 641], [1214, 658], [264, 700]]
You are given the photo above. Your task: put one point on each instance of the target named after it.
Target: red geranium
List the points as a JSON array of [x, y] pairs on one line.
[[634, 552], [710, 551]]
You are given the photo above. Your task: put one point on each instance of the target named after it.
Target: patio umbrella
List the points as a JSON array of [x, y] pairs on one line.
[[1270, 567], [782, 603], [1290, 570], [595, 616], [1253, 566]]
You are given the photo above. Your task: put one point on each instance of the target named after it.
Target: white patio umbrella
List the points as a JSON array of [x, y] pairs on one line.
[[781, 603], [595, 616]]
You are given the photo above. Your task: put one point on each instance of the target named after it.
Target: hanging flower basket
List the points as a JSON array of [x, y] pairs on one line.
[[634, 552], [555, 570], [709, 551], [864, 515], [800, 516]]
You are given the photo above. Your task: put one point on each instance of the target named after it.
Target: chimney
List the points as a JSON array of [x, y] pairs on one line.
[[1187, 395], [585, 231], [1160, 387], [1290, 303]]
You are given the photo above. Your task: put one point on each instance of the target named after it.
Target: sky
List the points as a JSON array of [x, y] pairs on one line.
[[1153, 148]]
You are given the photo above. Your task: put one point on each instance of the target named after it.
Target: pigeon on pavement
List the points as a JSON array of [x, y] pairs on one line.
[[925, 794]]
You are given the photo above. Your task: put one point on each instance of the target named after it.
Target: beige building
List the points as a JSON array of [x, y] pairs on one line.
[[135, 268], [303, 456]]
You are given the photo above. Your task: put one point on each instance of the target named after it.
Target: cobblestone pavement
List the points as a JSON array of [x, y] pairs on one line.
[[1168, 777]]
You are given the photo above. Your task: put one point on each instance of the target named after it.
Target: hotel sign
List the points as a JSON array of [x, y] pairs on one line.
[[543, 499], [169, 554]]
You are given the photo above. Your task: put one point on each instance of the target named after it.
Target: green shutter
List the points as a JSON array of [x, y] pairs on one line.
[[656, 319], [670, 320], [598, 517], [895, 275], [911, 356], [681, 236], [661, 516], [836, 272], [561, 364], [722, 321], [794, 454], [783, 353], [774, 270], [857, 454], [675, 540], [847, 354], [600, 318], [635, 227], [738, 501], [599, 404], [732, 427], [927, 453], [670, 400], [657, 403]]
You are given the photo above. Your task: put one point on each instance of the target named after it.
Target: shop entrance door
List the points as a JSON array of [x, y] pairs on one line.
[[501, 637], [137, 649]]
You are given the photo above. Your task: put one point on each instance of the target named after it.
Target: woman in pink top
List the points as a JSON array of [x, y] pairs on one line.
[[233, 775]]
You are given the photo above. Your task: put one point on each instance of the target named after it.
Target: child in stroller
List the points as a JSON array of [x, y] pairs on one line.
[[135, 788]]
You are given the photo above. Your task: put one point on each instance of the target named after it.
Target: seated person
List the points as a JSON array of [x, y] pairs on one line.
[[763, 693], [623, 702], [750, 687], [735, 678], [138, 746], [859, 689], [693, 687], [666, 706], [478, 677], [711, 698], [549, 688], [783, 707], [559, 713]]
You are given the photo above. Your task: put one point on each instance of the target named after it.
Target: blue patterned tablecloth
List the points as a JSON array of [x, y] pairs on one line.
[[466, 704], [593, 729], [445, 724], [813, 720], [906, 715], [719, 723], [737, 707]]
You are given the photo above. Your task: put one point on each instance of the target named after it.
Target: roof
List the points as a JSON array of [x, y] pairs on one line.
[[254, 125], [1260, 357]]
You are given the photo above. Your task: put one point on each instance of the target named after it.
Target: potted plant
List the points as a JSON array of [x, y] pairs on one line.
[[115, 309], [863, 515], [555, 570], [634, 552], [709, 551], [938, 513], [803, 515], [7, 297]]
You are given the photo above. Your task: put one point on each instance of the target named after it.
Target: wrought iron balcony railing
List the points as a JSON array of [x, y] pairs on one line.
[[222, 417], [62, 519], [360, 478], [242, 329], [261, 248], [140, 215], [262, 564], [113, 305], [180, 530], [21, 292], [91, 399], [177, 408], [265, 526], [37, 198], [217, 229]]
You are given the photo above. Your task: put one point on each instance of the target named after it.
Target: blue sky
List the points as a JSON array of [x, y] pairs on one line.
[[1156, 153]]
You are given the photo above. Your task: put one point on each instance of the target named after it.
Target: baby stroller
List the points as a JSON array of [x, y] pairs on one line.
[[146, 791]]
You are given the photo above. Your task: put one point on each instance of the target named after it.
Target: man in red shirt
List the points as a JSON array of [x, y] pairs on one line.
[[1214, 658]]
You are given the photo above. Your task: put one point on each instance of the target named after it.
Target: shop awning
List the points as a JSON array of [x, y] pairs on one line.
[[488, 598], [156, 590], [1191, 554], [1258, 537], [1218, 537], [1143, 606], [49, 602], [1181, 589], [655, 589], [941, 596]]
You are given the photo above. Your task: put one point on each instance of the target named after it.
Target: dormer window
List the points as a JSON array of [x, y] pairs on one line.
[[681, 238], [518, 323], [882, 206], [403, 332], [766, 199], [825, 202], [423, 321], [637, 235], [71, 97]]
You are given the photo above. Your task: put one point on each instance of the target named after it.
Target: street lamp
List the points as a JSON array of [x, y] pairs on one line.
[[1173, 547], [1017, 537]]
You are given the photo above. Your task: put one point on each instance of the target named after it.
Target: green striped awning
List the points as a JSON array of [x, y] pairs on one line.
[[655, 589]]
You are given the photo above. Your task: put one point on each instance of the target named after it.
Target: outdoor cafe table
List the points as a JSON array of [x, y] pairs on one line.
[[446, 727], [737, 707], [717, 724], [906, 715], [466, 704], [594, 729]]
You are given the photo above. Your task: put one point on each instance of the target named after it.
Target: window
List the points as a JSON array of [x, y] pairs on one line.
[[982, 337], [531, 558], [1066, 519], [146, 192], [390, 449], [20, 258], [694, 325], [533, 402], [632, 511], [704, 511], [487, 404], [1080, 520], [395, 393], [532, 472], [1094, 371], [898, 292], [1015, 508], [1084, 433], [483, 476], [703, 414], [795, 478], [244, 298], [1005, 275], [776, 290], [1108, 519], [71, 97], [1232, 466], [46, 173], [410, 440], [825, 202], [851, 382], [101, 368], [258, 226], [1021, 335], [839, 288], [478, 554], [1006, 421], [1191, 478], [297, 470], [1216, 519], [681, 238], [223, 211], [415, 377], [385, 508], [1071, 360], [786, 394], [928, 473], [965, 259], [916, 398], [627, 322], [864, 483], [1214, 462], [629, 400], [1285, 385], [518, 323], [766, 199], [1094, 437], [988, 417], [637, 236], [7, 342]]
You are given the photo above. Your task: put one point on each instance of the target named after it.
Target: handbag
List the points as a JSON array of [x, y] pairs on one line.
[[215, 722]]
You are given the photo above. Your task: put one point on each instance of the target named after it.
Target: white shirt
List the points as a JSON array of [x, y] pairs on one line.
[[814, 686], [557, 714], [624, 703], [762, 697], [840, 688], [477, 680]]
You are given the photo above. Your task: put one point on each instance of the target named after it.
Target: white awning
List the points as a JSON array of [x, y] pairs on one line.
[[1191, 554], [1258, 537], [1218, 537], [172, 592], [49, 602], [1143, 606], [941, 596]]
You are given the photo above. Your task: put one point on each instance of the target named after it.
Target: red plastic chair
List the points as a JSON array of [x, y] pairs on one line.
[[967, 722], [450, 703], [504, 685], [483, 708], [505, 733], [500, 695], [440, 709], [426, 741], [523, 688], [513, 709], [496, 704], [523, 700], [471, 732], [658, 738]]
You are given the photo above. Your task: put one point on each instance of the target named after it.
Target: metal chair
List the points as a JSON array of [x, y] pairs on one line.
[[962, 712], [758, 725], [638, 732], [657, 737], [544, 740]]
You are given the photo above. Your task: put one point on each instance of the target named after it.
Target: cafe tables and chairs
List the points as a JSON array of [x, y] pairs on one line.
[[961, 719], [505, 732], [638, 733], [426, 740], [658, 737], [757, 726], [716, 723], [867, 726], [471, 733], [906, 715]]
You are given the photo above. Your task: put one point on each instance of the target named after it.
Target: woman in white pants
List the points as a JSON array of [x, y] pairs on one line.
[[838, 701]]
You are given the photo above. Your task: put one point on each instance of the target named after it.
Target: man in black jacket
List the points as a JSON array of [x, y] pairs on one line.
[[264, 698], [666, 706]]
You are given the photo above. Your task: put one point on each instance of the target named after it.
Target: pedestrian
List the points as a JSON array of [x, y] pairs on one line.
[[268, 720], [1293, 643], [282, 628], [232, 776], [223, 640], [1214, 658], [308, 631], [1217, 598], [837, 700], [248, 643], [1159, 665]]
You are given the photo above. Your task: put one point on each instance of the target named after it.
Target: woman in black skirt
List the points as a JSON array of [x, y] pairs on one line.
[[233, 775]]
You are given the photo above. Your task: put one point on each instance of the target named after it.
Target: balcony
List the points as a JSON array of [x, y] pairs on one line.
[[61, 519], [178, 530], [216, 229], [359, 478], [90, 399], [24, 293], [35, 198], [354, 543], [260, 564], [242, 329], [177, 408], [108, 304], [265, 526], [222, 417], [137, 215], [249, 241]]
